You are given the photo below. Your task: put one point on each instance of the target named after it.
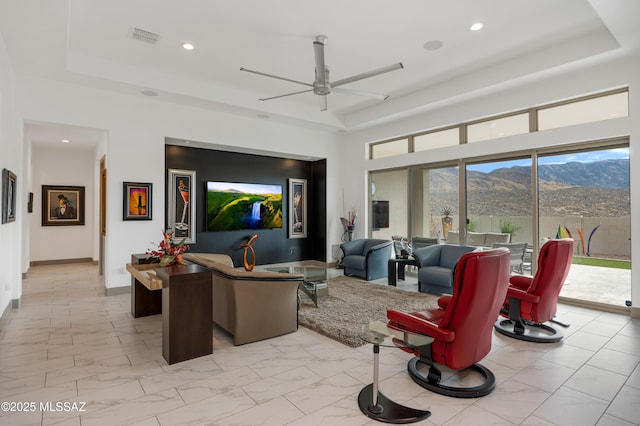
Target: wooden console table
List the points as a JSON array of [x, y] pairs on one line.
[[183, 294]]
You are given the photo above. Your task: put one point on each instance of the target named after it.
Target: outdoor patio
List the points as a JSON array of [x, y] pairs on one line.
[[611, 286], [594, 284]]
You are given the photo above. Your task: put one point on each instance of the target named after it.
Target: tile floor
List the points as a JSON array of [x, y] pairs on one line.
[[69, 343]]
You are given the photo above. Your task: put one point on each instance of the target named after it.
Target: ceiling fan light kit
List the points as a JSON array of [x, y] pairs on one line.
[[322, 86]]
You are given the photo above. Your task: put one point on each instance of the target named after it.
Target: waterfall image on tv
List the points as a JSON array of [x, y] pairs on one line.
[[234, 205]]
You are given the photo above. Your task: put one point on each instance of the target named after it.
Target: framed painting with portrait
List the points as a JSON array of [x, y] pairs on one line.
[[8, 196], [62, 205], [297, 208], [181, 204], [136, 201]]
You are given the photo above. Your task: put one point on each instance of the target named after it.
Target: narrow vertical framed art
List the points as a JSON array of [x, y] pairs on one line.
[[8, 196], [181, 215], [297, 208], [136, 201]]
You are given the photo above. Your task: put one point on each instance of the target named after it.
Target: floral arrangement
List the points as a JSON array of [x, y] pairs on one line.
[[167, 252], [352, 217]]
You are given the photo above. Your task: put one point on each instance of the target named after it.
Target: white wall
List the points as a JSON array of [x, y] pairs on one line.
[[137, 127], [68, 167], [618, 72], [11, 159]]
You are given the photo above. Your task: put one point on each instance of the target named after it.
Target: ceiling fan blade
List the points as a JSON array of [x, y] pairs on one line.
[[360, 92], [367, 74], [318, 50], [288, 94], [323, 103], [275, 76]]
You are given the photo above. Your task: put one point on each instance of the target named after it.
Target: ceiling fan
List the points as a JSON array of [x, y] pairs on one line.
[[321, 85]]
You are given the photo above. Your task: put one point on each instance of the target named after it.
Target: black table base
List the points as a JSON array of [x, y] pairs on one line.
[[386, 410]]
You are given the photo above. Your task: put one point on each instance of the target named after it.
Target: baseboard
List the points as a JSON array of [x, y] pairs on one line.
[[597, 306], [635, 312], [62, 261], [4, 318], [114, 291]]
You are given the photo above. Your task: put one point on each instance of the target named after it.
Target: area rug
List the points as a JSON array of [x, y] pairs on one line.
[[352, 302]]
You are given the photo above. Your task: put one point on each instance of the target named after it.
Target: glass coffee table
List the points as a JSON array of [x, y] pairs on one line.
[[315, 279], [373, 403]]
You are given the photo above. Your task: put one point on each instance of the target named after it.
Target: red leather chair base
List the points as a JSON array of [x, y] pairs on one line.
[[432, 380], [528, 331]]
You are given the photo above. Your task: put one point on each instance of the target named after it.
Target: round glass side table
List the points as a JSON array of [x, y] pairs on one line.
[[372, 402]]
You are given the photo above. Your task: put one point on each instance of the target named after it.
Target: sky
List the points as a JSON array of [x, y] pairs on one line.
[[251, 188], [582, 157]]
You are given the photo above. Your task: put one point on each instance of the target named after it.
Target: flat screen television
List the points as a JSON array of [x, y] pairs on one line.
[[380, 214], [235, 205]]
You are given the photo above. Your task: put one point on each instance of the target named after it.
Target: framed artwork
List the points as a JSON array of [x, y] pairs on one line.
[[30, 203], [181, 204], [136, 201], [62, 205], [8, 196], [297, 208]]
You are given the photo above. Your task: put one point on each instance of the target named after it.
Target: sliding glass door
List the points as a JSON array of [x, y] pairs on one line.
[[434, 202], [499, 199], [584, 195], [389, 203]]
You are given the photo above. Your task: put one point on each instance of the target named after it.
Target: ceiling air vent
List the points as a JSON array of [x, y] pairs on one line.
[[143, 35]]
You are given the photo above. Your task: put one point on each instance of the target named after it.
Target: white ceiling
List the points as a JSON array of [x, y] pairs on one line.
[[87, 42]]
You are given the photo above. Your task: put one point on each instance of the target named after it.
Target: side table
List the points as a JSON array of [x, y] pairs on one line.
[[373, 403], [397, 268], [183, 295], [187, 324]]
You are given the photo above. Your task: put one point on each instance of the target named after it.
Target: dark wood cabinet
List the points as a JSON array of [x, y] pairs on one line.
[[187, 324], [183, 295]]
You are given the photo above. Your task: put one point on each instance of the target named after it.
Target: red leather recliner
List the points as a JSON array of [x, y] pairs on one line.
[[462, 327], [532, 301]]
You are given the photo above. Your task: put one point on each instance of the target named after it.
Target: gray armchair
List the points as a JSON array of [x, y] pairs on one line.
[[367, 258], [436, 264]]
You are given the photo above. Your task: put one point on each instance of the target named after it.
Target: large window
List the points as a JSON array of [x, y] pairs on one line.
[[498, 128], [439, 139], [389, 203], [499, 198], [599, 107], [434, 192], [584, 195], [389, 149], [581, 191], [586, 111]]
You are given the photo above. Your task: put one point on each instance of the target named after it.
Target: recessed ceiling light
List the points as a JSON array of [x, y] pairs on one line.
[[149, 93], [188, 46], [477, 26], [433, 45], [65, 141]]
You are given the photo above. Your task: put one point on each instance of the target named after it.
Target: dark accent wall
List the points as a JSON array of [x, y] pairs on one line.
[[273, 245]]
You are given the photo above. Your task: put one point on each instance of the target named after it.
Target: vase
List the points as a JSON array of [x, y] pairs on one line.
[[350, 230], [447, 224]]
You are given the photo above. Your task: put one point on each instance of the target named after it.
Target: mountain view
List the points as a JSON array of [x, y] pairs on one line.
[[594, 189]]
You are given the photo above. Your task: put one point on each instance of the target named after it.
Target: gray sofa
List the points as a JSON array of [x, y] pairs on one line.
[[367, 258], [436, 264], [479, 239], [252, 305]]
